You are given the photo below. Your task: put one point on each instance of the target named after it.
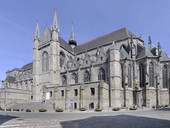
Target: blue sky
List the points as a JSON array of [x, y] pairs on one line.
[[92, 18]]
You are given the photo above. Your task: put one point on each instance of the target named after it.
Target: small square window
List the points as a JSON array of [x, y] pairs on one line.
[[75, 92], [92, 91]]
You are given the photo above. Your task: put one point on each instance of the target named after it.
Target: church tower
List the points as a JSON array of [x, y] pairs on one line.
[[55, 53], [36, 61]]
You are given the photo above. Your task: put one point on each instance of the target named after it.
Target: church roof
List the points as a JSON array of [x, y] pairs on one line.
[[102, 40], [123, 53], [65, 45], [145, 52], [28, 66], [164, 56]]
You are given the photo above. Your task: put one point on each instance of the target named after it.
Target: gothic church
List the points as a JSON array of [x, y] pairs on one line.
[[114, 70]]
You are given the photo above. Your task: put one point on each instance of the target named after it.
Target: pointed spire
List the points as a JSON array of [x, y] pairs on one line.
[[149, 42], [72, 41], [37, 32], [55, 23], [72, 37], [159, 46]]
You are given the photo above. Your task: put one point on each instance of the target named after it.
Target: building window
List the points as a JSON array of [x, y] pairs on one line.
[[75, 105], [62, 93], [129, 76], [92, 91], [142, 75], [64, 79], [122, 72], [51, 93], [62, 58], [75, 92], [45, 62], [75, 78], [165, 76], [101, 75], [86, 76], [151, 74], [31, 97]]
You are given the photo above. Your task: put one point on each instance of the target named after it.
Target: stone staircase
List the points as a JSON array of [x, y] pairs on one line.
[[33, 106]]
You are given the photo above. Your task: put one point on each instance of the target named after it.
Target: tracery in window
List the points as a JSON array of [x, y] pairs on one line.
[[142, 75], [129, 76], [101, 74], [164, 76], [86, 76], [62, 58], [45, 62], [151, 74]]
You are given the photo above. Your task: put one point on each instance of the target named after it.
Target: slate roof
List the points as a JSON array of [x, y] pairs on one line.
[[145, 52], [123, 53], [164, 56], [65, 45], [10, 79], [108, 38], [46, 37], [28, 66]]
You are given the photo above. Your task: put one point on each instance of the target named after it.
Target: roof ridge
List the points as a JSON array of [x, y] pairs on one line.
[[101, 36]]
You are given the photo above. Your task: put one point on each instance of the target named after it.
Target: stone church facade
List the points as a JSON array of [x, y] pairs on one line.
[[114, 70]]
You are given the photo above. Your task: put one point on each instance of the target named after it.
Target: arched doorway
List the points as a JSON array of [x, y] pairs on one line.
[[91, 105]]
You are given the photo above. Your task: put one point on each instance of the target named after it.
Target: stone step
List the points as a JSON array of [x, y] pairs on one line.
[[32, 123]]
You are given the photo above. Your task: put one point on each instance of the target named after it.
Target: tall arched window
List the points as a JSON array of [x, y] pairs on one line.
[[129, 76], [62, 58], [165, 76], [86, 76], [101, 75], [45, 62], [75, 78], [142, 75], [151, 74], [64, 79]]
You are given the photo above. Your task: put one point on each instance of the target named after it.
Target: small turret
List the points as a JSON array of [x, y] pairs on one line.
[[133, 48], [159, 46], [149, 42], [72, 41]]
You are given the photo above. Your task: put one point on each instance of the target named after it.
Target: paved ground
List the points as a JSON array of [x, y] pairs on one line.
[[129, 119]]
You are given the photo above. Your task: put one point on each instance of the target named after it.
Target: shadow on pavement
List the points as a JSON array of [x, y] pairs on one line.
[[5, 118], [119, 121], [162, 109]]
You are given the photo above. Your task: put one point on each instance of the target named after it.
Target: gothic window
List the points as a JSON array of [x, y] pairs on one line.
[[62, 58], [129, 76], [101, 75], [164, 76], [151, 74], [64, 79], [75, 78], [86, 76], [122, 72], [45, 62], [142, 75]]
